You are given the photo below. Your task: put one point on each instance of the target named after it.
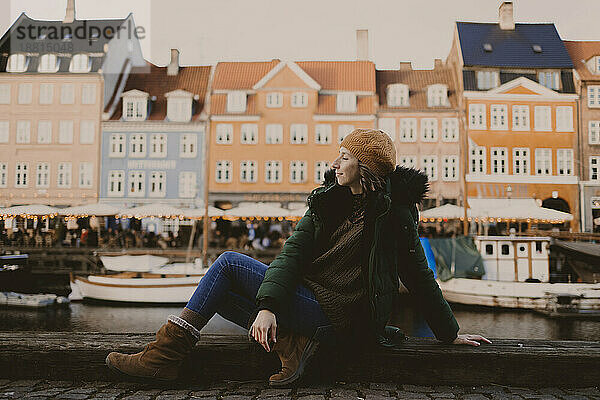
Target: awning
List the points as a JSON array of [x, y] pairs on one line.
[[29, 211], [518, 209], [152, 210], [198, 213], [98, 209], [257, 210], [447, 211]]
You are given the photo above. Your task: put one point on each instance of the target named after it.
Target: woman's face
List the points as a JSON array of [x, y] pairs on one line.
[[346, 168]]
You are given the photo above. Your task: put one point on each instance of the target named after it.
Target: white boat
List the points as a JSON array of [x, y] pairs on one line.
[[12, 299], [517, 275], [166, 284]]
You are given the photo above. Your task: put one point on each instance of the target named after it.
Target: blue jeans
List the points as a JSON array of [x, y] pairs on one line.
[[229, 288]]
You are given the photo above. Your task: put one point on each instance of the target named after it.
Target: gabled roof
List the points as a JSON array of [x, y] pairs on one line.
[[566, 79], [241, 75], [352, 76], [310, 82], [524, 87], [580, 53], [512, 48], [155, 81], [417, 81], [11, 42]]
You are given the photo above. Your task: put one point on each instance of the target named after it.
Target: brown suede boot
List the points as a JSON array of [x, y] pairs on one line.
[[160, 359], [294, 351]]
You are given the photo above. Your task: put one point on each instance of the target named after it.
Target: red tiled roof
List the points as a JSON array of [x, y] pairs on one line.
[[417, 81], [240, 75], [580, 52], [341, 75], [327, 105], [156, 82], [218, 105]]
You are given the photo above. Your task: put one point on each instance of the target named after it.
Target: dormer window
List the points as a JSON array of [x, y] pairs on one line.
[[487, 79], [135, 105], [17, 63], [437, 96], [236, 102], [536, 48], [179, 106], [346, 102], [397, 95], [274, 100], [80, 63], [596, 65], [487, 47], [48, 63], [550, 79]]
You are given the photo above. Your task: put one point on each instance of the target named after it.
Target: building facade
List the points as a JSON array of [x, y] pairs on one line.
[[586, 60], [153, 145], [419, 110], [520, 104], [276, 126]]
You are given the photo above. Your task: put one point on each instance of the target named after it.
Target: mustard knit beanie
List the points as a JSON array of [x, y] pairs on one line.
[[374, 148]]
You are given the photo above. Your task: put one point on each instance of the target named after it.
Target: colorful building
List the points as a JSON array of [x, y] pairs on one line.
[[276, 126], [586, 60], [519, 100], [55, 82], [153, 144], [419, 110]]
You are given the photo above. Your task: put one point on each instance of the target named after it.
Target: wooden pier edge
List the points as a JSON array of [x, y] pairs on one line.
[[530, 363]]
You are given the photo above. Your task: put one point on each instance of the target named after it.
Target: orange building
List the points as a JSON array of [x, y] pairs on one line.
[[275, 126]]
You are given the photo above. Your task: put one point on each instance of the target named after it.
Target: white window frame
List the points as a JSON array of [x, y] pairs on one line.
[[388, 126], [323, 133], [21, 175], [4, 131], [543, 118], [3, 175], [397, 95], [86, 175], [498, 161], [136, 183], [543, 161], [137, 145], [408, 130], [564, 119], [64, 175], [135, 108], [87, 131], [188, 184], [564, 162], [594, 164], [343, 131], [5, 89], [520, 117], [248, 171], [116, 145], [477, 116], [25, 93], [299, 100], [450, 130], [498, 117], [158, 145], [157, 184], [48, 63], [450, 168], [44, 132], [67, 93], [298, 171], [188, 145], [346, 102], [478, 160], [521, 164], [274, 134], [179, 109], [46, 93], [594, 132], [249, 134], [429, 165], [65, 132], [429, 130], [236, 101], [549, 79], [321, 167], [437, 95], [223, 171], [224, 133], [274, 100], [80, 63], [42, 175], [487, 79], [17, 62], [116, 180], [298, 134], [273, 171], [88, 93], [23, 132], [408, 160], [593, 94]]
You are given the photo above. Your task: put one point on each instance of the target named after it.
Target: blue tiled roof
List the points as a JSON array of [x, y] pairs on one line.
[[512, 48]]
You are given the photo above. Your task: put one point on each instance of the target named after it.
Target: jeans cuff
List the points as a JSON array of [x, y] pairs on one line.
[[185, 325]]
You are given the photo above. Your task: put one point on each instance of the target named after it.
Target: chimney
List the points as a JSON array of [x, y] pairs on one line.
[[173, 67], [405, 66], [362, 44], [70, 13], [505, 16], [437, 63]]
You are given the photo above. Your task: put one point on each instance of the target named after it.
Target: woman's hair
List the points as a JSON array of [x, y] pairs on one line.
[[369, 181]]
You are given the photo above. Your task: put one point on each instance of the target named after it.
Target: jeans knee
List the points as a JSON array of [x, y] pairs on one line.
[[225, 259]]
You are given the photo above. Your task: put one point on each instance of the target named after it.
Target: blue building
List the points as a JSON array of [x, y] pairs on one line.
[[152, 148]]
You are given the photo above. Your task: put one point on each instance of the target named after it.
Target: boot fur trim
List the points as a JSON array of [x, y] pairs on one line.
[[185, 325]]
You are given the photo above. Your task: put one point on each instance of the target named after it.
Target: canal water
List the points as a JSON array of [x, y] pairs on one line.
[[108, 318]]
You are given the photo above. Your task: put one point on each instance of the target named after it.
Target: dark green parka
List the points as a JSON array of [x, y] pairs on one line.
[[391, 249]]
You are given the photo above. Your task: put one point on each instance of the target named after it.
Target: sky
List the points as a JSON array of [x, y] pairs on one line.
[[244, 30]]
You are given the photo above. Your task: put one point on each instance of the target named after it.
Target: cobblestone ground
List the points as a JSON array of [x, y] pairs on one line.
[[42, 390]]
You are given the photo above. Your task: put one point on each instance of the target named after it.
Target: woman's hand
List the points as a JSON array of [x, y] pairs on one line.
[[264, 325], [472, 340]]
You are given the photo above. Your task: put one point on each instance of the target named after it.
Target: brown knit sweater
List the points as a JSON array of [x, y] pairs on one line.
[[337, 278]]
